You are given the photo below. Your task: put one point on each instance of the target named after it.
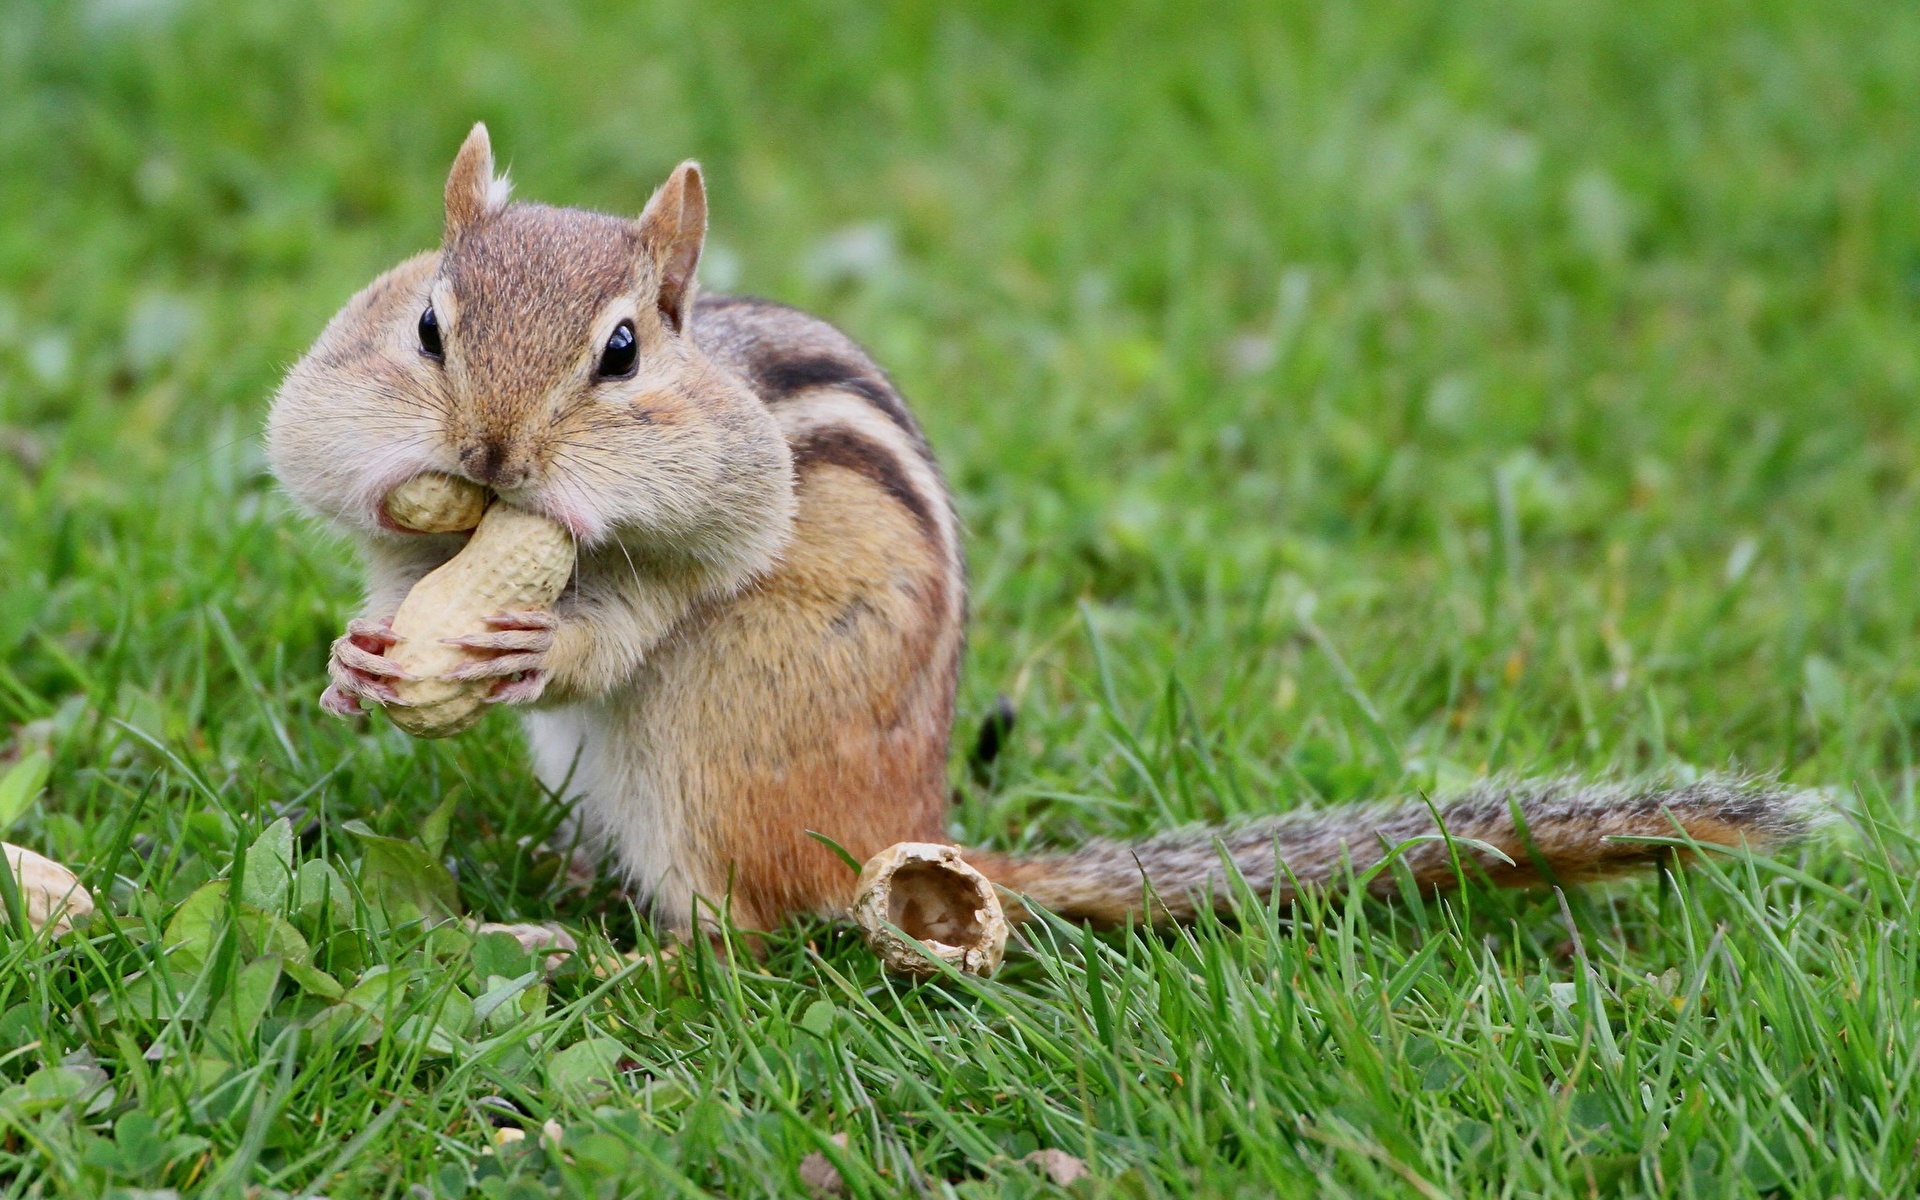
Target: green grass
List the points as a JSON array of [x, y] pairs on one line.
[[1344, 400]]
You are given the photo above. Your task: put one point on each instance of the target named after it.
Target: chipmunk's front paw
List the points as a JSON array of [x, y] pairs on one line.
[[514, 653], [359, 670]]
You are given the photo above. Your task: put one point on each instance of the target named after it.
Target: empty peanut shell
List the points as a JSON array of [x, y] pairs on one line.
[[918, 898]]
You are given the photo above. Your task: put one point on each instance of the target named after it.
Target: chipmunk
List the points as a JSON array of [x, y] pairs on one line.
[[764, 631]]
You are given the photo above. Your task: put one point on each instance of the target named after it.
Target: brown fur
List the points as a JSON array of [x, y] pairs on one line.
[[833, 679], [763, 634]]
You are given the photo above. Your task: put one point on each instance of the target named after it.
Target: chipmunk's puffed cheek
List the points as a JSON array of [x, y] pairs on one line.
[[569, 504], [586, 526]]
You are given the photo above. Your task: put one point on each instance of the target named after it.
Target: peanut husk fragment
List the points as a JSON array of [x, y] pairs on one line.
[[51, 894], [919, 898]]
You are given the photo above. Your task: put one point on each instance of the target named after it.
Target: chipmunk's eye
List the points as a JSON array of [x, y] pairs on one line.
[[621, 354], [430, 334]]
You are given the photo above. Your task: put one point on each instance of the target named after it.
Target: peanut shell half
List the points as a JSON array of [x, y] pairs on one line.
[[941, 905]]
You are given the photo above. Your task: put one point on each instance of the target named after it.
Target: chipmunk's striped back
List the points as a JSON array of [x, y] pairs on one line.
[[837, 409], [820, 696]]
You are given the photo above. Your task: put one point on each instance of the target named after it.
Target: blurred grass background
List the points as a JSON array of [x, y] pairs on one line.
[[1344, 400]]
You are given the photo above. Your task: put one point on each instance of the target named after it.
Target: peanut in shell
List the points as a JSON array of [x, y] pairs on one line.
[[515, 561]]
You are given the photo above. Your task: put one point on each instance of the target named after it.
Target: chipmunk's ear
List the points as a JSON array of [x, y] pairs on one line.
[[672, 229], [472, 189]]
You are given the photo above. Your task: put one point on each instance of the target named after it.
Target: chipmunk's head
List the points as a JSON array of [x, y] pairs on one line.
[[545, 353]]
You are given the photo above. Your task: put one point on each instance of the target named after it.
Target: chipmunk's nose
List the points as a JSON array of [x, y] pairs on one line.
[[492, 463]]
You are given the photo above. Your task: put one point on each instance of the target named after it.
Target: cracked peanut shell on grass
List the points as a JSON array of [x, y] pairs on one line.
[[515, 561], [51, 894], [943, 906]]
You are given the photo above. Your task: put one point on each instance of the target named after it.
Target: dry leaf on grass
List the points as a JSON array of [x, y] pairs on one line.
[[1057, 1165], [819, 1175], [534, 938]]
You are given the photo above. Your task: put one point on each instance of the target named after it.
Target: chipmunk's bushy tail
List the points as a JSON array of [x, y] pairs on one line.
[[1571, 834]]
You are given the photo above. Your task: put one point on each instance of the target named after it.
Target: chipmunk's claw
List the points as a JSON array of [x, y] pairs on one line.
[[377, 636], [524, 690], [529, 618], [536, 640], [358, 669], [515, 653], [340, 702], [500, 666]]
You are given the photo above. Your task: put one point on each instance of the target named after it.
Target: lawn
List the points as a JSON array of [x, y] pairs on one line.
[[1344, 400]]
